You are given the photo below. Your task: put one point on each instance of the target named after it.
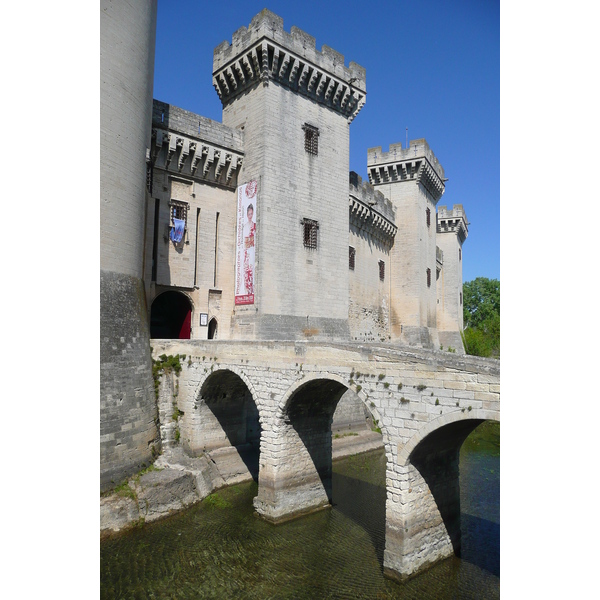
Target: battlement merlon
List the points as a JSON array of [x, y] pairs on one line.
[[453, 221], [264, 52], [415, 163]]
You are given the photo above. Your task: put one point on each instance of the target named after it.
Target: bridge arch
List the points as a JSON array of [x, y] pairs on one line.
[[310, 377], [428, 469], [224, 421], [478, 415], [296, 463]]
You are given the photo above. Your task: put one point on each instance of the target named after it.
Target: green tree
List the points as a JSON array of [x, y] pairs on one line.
[[481, 313]]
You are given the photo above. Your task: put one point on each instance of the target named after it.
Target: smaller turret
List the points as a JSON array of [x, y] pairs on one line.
[[452, 231]]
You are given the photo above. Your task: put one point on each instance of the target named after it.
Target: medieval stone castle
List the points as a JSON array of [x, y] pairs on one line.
[[253, 229], [304, 299], [325, 255]]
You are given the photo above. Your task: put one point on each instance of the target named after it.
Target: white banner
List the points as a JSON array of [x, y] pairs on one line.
[[245, 242]]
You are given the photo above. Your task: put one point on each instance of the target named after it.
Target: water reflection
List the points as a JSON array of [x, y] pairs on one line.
[[219, 549]]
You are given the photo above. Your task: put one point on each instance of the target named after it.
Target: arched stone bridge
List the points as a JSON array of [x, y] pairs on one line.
[[425, 402]]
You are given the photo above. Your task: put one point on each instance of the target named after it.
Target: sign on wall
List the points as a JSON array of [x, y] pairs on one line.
[[245, 242]]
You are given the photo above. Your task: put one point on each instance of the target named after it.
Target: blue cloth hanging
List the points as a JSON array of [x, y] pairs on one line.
[[177, 230]]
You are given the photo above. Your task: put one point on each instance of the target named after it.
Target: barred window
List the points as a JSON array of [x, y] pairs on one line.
[[428, 214], [178, 210], [381, 270], [428, 277], [311, 139], [310, 228], [351, 257]]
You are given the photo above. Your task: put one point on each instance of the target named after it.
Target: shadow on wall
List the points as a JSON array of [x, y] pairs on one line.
[[230, 417], [437, 460]]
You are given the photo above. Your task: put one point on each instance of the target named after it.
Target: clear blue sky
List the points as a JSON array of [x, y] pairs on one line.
[[432, 66]]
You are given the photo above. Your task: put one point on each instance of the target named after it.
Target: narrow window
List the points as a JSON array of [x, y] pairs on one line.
[[381, 270], [459, 254], [351, 257], [310, 228], [461, 298], [196, 249], [428, 215], [216, 251], [311, 139], [155, 239], [428, 277]]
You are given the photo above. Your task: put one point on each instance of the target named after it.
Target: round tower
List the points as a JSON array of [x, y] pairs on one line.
[[127, 404]]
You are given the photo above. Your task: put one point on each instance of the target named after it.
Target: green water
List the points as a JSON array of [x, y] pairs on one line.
[[219, 549]]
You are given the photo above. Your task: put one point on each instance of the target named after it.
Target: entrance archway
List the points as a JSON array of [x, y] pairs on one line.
[[171, 316], [212, 329]]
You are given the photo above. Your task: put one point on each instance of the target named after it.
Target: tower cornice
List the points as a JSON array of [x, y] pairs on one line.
[[417, 163], [265, 52], [453, 221]]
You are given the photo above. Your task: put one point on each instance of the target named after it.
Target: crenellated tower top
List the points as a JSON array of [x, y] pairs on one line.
[[415, 163], [454, 220], [264, 52]]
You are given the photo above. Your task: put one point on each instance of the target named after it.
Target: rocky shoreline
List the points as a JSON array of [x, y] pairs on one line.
[[176, 481]]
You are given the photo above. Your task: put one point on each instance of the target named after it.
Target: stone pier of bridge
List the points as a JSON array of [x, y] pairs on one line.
[[425, 403]]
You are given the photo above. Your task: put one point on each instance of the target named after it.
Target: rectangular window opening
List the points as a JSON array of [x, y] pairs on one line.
[[381, 270], [351, 257], [178, 210], [311, 139], [428, 277], [310, 228], [428, 214]]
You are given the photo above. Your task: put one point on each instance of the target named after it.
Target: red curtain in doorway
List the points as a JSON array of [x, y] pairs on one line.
[[184, 333]]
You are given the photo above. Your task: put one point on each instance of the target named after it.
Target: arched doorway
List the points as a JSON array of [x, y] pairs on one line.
[[212, 329], [171, 316]]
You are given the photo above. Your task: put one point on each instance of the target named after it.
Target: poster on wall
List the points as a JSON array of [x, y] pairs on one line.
[[245, 242]]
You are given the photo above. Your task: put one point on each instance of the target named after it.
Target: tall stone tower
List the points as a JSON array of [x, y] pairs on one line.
[[452, 231], [127, 403], [413, 179], [294, 105]]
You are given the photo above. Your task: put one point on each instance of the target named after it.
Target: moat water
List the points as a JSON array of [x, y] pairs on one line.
[[219, 549]]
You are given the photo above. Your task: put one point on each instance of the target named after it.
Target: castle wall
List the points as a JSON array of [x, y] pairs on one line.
[[127, 404], [372, 233], [195, 162]]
